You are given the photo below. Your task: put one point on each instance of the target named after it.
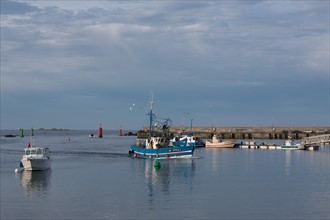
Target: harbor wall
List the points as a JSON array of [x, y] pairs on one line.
[[254, 132]]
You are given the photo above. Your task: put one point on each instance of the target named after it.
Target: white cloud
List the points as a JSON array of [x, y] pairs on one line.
[[113, 46]]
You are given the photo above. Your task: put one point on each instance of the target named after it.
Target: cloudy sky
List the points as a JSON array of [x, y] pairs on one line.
[[74, 64]]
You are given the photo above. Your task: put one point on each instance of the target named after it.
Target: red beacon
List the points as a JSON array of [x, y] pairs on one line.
[[100, 131]]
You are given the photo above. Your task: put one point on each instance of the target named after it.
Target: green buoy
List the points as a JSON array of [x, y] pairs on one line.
[[21, 132], [156, 163]]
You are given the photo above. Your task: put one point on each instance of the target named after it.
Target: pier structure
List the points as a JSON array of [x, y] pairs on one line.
[[315, 140], [308, 143], [254, 132]]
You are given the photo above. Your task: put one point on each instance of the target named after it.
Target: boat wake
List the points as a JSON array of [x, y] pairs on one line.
[[76, 153], [90, 154]]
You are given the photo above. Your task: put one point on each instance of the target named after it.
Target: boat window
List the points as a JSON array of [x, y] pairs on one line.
[[27, 152], [33, 151], [39, 151]]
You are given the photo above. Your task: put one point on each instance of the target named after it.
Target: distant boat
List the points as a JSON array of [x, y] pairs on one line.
[[158, 145], [36, 158], [92, 136], [290, 145], [216, 142], [191, 140], [10, 135]]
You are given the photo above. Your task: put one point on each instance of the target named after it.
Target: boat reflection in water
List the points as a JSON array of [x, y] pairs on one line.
[[36, 182], [172, 177]]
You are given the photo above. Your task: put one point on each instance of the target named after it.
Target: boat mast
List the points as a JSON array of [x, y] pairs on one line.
[[191, 126], [150, 114]]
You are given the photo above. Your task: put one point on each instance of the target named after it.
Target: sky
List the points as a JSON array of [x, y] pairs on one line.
[[76, 64]]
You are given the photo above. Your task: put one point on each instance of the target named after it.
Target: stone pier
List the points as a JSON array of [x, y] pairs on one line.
[[254, 132]]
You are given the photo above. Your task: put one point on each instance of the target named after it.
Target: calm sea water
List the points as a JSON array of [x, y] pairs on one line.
[[94, 178]]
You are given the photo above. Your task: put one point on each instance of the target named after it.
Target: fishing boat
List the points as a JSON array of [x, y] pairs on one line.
[[158, 148], [217, 142], [36, 158], [191, 140], [158, 144], [290, 145]]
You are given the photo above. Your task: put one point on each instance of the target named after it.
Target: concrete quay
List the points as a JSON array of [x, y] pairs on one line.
[[254, 132]]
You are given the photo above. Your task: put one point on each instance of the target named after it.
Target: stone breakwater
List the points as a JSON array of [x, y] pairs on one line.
[[254, 132]]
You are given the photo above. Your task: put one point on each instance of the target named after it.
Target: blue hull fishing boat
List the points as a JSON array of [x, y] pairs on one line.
[[158, 145], [162, 153]]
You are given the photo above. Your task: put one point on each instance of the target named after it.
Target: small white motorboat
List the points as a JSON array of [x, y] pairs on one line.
[[290, 145], [36, 158]]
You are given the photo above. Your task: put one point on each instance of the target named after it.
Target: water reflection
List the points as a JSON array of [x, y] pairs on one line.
[[288, 161], [173, 175], [36, 182], [215, 160]]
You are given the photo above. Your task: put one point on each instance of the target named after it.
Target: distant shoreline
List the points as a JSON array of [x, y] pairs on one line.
[[53, 129]]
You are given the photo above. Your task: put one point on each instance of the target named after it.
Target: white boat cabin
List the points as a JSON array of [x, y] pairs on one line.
[[216, 139], [36, 152], [155, 142]]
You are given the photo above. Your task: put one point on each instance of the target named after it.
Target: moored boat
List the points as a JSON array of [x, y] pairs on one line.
[[191, 140], [217, 142], [290, 145], [36, 158]]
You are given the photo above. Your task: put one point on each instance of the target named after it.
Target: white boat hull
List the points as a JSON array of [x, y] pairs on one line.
[[36, 163], [294, 147], [224, 144]]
